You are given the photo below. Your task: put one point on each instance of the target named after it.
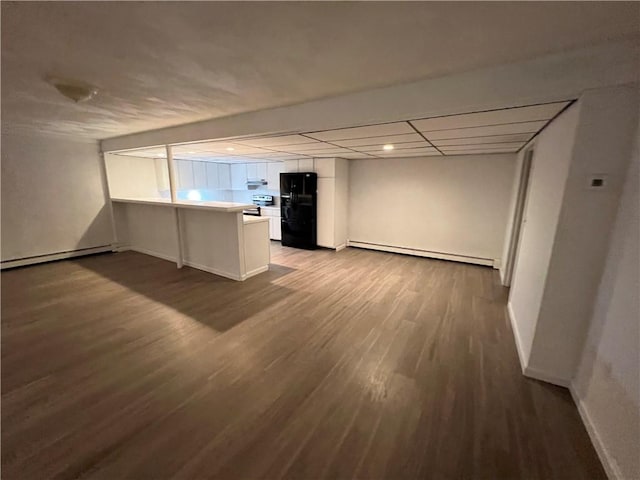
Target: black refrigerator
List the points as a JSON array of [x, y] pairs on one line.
[[298, 205]]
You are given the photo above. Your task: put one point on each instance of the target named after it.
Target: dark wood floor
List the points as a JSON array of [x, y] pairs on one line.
[[354, 364]]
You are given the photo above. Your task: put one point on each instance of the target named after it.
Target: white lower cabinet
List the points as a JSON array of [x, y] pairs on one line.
[[274, 228], [274, 170], [273, 213]]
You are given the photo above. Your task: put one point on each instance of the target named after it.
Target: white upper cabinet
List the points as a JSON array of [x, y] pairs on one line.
[[184, 168], [239, 176], [200, 174], [212, 176], [224, 176], [305, 165], [252, 171], [261, 171], [291, 166], [273, 175]]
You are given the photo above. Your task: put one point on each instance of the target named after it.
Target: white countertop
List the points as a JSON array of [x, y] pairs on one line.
[[227, 207], [253, 219]]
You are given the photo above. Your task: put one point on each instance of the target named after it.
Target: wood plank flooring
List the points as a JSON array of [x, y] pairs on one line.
[[354, 364]]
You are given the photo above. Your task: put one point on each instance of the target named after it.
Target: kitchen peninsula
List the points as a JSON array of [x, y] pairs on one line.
[[211, 236]]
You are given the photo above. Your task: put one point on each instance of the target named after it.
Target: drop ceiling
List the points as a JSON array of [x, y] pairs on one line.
[[504, 130], [159, 64]]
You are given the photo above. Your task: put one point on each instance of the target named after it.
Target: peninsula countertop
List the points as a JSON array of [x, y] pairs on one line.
[[225, 207]]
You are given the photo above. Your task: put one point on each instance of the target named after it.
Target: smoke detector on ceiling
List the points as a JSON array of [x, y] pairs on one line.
[[73, 89]]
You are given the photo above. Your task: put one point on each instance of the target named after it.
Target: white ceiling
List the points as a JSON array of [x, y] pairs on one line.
[[167, 63], [496, 131]]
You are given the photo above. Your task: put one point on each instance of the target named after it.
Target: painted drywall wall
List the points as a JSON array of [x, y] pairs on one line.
[[136, 177], [545, 79], [550, 167], [453, 205], [510, 225], [53, 199], [603, 142], [341, 202], [607, 383]]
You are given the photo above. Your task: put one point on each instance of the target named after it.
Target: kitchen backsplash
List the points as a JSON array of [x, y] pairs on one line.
[[240, 196]]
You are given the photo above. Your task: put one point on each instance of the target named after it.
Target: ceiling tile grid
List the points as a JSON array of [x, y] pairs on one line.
[[504, 130]]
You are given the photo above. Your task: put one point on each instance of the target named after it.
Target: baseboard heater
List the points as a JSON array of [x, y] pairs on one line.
[[423, 253], [50, 257]]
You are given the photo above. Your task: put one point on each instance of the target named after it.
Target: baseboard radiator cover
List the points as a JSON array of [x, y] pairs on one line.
[[416, 252], [52, 257]]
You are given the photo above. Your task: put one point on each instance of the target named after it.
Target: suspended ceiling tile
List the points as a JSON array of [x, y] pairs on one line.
[[276, 158], [397, 128], [265, 154], [504, 146], [354, 155], [397, 146], [517, 137], [209, 146], [525, 127], [357, 142], [275, 141], [323, 147], [493, 117], [328, 154], [408, 152], [291, 156], [237, 150], [311, 147], [479, 150]]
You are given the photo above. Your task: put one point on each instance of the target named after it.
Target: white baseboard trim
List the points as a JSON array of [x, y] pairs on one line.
[[220, 273], [153, 253], [255, 272], [341, 247], [50, 257], [501, 272], [516, 337], [610, 467], [528, 371], [423, 253], [545, 377], [204, 268]]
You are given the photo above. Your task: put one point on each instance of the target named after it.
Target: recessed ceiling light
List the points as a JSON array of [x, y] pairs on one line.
[[388, 146], [230, 149], [191, 151]]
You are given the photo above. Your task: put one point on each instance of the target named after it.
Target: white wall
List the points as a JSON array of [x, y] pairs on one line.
[[52, 197], [512, 208], [454, 205], [602, 146], [136, 177], [545, 79], [550, 166], [341, 202], [607, 384]]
